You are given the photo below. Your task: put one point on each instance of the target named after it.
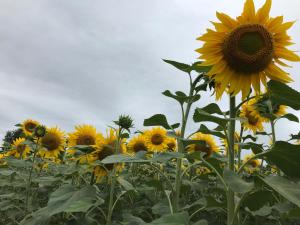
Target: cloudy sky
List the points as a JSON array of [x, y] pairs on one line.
[[67, 62]]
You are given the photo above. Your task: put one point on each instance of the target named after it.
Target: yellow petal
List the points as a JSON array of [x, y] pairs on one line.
[[273, 22], [282, 27], [255, 80], [226, 20], [263, 12], [249, 10], [286, 54], [275, 73], [218, 68]]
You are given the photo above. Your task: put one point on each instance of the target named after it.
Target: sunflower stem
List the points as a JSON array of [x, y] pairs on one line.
[[185, 115], [113, 181], [231, 130], [30, 175], [273, 131]]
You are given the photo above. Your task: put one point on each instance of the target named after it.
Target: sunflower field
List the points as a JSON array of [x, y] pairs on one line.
[[163, 174]]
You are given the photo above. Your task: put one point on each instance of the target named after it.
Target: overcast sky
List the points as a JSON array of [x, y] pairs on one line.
[[68, 62]]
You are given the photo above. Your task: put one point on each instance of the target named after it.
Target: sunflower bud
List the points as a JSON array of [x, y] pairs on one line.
[[40, 131], [125, 122]]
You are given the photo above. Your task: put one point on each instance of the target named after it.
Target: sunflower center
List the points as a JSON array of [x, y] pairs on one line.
[[139, 146], [248, 49], [171, 145], [203, 148], [50, 142], [30, 126], [157, 139], [106, 151], [85, 140], [20, 148], [252, 120]]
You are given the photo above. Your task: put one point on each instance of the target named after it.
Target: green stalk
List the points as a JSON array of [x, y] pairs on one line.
[[240, 147], [185, 115], [273, 131], [231, 129], [30, 175], [113, 181]]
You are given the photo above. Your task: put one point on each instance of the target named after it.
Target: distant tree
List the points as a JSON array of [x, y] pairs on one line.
[[10, 136]]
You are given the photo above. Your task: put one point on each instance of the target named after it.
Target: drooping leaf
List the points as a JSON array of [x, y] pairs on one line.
[[203, 129], [157, 120], [175, 219], [202, 116], [199, 68], [286, 157], [236, 183], [212, 108], [285, 187], [291, 117], [181, 66], [283, 94]]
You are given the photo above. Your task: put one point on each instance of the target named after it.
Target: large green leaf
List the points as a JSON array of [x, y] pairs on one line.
[[203, 116], [175, 219], [284, 95], [236, 183], [287, 188], [199, 68], [181, 66], [67, 198], [212, 109], [286, 157], [157, 120]]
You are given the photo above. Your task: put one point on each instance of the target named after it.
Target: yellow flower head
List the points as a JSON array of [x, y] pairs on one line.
[[19, 149], [171, 143], [245, 51], [137, 143], [253, 120], [156, 139], [85, 135], [107, 149], [253, 165], [28, 126], [209, 147], [52, 143]]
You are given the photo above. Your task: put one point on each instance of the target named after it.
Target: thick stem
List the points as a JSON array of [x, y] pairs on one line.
[[113, 180], [231, 130], [30, 175], [185, 115], [240, 147], [273, 131]]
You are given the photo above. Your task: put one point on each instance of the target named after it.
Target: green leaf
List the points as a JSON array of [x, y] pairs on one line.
[[6, 172], [288, 189], [202, 116], [127, 186], [286, 157], [291, 117], [166, 156], [175, 219], [122, 158], [283, 94], [201, 222], [212, 108], [203, 129], [157, 120], [236, 183], [181, 66], [200, 69], [258, 199]]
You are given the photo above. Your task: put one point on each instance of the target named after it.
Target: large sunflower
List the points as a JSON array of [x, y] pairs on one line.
[[19, 149], [137, 144], [106, 149], [28, 126], [245, 51], [156, 139], [253, 120], [209, 146], [85, 135], [52, 143]]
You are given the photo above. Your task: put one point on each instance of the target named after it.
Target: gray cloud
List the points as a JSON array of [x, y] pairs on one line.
[[70, 62]]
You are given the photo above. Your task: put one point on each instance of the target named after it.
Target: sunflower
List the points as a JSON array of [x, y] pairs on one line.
[[209, 146], [85, 135], [52, 143], [156, 139], [106, 149], [137, 143], [253, 120], [245, 51], [28, 126], [253, 165], [236, 141], [171, 143], [19, 149]]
